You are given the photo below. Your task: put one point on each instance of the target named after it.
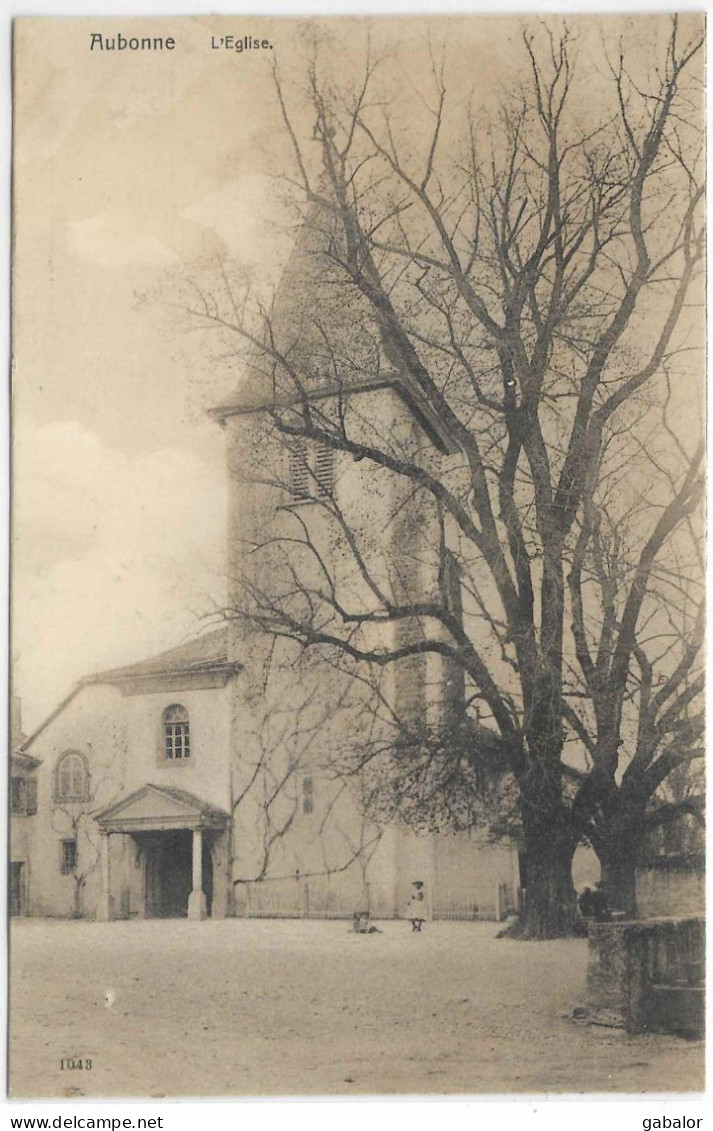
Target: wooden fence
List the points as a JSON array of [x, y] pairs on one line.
[[301, 899]]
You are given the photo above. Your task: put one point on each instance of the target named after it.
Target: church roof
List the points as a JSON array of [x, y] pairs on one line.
[[205, 652], [204, 661], [321, 323], [324, 327]]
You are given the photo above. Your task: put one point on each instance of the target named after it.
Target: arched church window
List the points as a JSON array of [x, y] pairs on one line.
[[176, 733], [454, 675], [72, 777]]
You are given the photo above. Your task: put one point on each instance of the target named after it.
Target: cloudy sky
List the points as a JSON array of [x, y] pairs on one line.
[[124, 169], [127, 168]]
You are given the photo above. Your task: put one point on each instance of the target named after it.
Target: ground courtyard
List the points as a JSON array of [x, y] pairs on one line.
[[245, 1007]]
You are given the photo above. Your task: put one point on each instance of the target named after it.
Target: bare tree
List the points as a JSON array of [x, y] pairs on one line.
[[73, 818], [76, 827], [524, 286], [635, 698], [284, 775]]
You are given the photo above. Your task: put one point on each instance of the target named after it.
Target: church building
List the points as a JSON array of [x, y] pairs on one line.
[[234, 774], [133, 810]]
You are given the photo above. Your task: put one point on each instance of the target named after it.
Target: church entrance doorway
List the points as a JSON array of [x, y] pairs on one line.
[[169, 874]]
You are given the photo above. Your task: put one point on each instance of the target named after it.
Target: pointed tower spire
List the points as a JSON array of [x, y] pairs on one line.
[[321, 324]]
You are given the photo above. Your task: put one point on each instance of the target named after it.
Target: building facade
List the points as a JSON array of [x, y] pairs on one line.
[[133, 808]]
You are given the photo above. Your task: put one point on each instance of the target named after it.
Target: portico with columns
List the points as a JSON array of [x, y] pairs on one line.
[[172, 856]]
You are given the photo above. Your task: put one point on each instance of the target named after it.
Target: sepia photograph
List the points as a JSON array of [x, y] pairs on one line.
[[358, 574]]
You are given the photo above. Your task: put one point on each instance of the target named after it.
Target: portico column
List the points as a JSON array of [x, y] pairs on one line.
[[196, 900], [105, 909]]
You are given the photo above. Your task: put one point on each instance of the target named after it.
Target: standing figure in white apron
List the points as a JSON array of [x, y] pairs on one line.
[[417, 908]]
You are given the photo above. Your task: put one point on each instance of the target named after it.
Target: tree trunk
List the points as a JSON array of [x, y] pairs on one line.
[[78, 903], [550, 910], [619, 877], [550, 900]]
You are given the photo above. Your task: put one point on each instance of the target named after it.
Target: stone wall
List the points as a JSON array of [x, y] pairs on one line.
[[636, 969]]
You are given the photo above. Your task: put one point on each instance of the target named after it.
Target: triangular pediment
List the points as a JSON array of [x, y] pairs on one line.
[[156, 807]]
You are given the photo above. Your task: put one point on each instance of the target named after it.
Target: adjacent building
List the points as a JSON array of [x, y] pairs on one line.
[[23, 807]]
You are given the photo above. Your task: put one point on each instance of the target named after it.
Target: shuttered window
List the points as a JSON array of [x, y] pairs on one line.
[[311, 471], [307, 795], [31, 797], [300, 479], [324, 469], [23, 797], [18, 796]]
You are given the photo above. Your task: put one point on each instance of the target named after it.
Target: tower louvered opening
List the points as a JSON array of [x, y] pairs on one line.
[[324, 469], [299, 472]]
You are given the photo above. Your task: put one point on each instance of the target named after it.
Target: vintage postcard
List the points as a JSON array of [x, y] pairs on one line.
[[357, 574]]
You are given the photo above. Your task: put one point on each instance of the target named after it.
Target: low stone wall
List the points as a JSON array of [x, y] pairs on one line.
[[646, 975]]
